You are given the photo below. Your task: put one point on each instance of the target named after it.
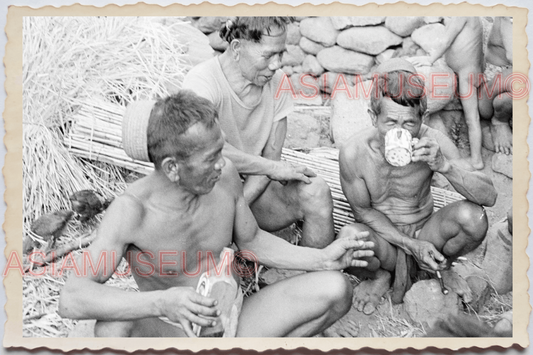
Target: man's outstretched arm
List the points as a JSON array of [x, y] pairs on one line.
[[272, 251]]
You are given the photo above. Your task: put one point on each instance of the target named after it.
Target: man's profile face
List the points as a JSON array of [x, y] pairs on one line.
[[259, 61], [394, 115], [202, 169]]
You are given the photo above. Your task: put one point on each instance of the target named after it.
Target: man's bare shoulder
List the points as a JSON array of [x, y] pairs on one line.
[[357, 143], [230, 179], [126, 213]]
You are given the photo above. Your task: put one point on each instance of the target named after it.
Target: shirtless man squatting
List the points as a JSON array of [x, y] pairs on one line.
[[193, 202], [394, 203]]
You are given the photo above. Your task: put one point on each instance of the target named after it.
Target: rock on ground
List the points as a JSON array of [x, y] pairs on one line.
[[404, 25], [369, 40], [496, 264], [481, 291], [319, 29], [312, 66], [429, 37], [425, 302], [293, 34], [409, 47], [498, 261], [503, 164], [440, 84], [432, 19], [303, 131], [505, 324], [305, 85], [486, 136], [287, 70], [309, 46], [340, 60], [333, 83], [293, 56], [350, 114], [343, 22], [385, 55]]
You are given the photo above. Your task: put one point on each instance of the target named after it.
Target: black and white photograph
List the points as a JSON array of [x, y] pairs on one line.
[[190, 175]]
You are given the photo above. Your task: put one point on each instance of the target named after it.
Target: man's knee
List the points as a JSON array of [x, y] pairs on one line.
[[338, 292], [316, 196], [473, 219], [503, 105], [113, 329]]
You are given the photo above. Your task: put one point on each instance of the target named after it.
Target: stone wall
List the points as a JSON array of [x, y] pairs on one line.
[[327, 46]]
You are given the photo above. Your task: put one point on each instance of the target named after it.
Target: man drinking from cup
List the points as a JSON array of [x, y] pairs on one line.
[[386, 172]]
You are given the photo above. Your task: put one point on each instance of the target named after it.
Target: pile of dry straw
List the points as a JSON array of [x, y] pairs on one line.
[[67, 60]]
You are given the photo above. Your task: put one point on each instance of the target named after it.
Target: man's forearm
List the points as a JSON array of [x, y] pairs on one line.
[[275, 252], [473, 185], [248, 164], [83, 299], [254, 186]]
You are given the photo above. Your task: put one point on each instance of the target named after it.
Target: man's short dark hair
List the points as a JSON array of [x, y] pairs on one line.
[[403, 87], [252, 28], [170, 118]]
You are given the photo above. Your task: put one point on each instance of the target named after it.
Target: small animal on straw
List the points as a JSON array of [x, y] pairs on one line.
[[28, 244], [87, 204], [51, 226]]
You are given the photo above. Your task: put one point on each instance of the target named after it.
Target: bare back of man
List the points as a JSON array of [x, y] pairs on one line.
[[465, 55], [402, 197]]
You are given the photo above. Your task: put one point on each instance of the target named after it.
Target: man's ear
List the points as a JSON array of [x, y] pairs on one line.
[[373, 117], [425, 117], [170, 168], [236, 47]]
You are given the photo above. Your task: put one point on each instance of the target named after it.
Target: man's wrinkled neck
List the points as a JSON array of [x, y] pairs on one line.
[[171, 195]]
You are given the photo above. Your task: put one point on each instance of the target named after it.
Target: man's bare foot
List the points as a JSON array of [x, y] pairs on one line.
[[457, 284], [502, 136], [344, 328], [367, 295]]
